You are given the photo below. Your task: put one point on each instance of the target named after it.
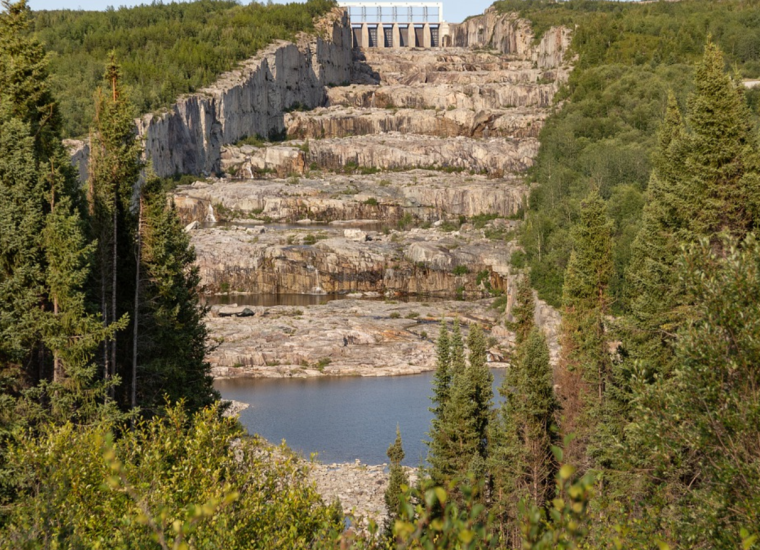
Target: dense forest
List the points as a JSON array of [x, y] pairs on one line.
[[629, 56], [646, 434], [165, 50]]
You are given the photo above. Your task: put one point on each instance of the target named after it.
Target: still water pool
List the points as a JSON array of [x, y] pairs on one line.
[[340, 418]]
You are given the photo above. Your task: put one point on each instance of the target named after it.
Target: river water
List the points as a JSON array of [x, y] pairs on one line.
[[340, 418]]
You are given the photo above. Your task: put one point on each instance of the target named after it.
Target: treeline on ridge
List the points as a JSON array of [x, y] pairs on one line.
[[629, 55], [165, 50]]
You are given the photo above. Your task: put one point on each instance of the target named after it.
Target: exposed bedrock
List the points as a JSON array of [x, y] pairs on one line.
[[335, 261], [388, 151], [477, 97], [423, 195], [344, 122], [393, 151], [453, 66], [509, 34], [252, 99], [343, 337]]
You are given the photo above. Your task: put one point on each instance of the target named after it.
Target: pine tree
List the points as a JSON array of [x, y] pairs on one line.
[[173, 341], [523, 311], [47, 331], [585, 365], [396, 480], [114, 170], [705, 185], [706, 180], [442, 378], [700, 426], [457, 349], [459, 435], [520, 457]]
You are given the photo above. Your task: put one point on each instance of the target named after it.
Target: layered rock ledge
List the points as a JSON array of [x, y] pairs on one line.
[[422, 195], [347, 337]]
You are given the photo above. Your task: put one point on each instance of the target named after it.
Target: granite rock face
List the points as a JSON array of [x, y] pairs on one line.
[[246, 102], [251, 100], [349, 337], [322, 260], [422, 195], [509, 34], [342, 122]]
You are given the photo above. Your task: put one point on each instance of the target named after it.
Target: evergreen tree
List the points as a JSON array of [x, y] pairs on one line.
[[47, 331], [442, 378], [459, 435], [172, 343], [585, 364], [457, 349], [114, 170], [520, 457], [706, 180], [697, 430], [523, 311], [396, 480]]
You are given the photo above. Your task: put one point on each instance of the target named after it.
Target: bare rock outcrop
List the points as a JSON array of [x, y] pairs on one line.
[[423, 195], [322, 260], [343, 122], [350, 337], [393, 151], [187, 137], [477, 97], [509, 34]]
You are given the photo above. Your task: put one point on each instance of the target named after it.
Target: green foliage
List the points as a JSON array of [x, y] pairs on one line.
[[439, 522], [397, 480], [585, 365], [166, 49], [629, 56], [463, 396], [697, 429], [177, 481], [172, 342], [521, 437], [460, 270], [523, 311], [706, 181]]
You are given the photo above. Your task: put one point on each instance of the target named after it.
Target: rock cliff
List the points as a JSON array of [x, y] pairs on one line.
[[509, 34], [251, 100]]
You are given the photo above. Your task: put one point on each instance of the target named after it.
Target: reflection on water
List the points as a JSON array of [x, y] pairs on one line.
[[269, 300], [341, 418], [303, 300], [365, 225]]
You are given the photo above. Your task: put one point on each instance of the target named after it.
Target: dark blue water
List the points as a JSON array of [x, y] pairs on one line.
[[340, 418]]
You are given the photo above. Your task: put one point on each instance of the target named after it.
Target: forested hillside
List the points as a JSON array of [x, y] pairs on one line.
[[629, 55], [644, 434], [164, 49]]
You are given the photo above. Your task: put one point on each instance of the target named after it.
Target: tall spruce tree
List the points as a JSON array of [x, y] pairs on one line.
[[396, 480], [459, 434], [172, 343], [706, 181], [523, 311], [520, 457], [48, 333], [705, 185], [114, 170], [700, 426], [585, 364]]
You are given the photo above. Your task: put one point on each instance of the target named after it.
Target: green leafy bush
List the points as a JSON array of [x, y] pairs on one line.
[[179, 481]]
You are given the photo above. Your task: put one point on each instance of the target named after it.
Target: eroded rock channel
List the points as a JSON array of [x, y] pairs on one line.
[[404, 181]]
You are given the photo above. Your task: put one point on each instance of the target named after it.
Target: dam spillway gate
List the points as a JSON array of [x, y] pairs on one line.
[[397, 24]]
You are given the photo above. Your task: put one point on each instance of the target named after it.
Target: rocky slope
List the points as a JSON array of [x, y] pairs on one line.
[[390, 197], [403, 183], [251, 100]]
